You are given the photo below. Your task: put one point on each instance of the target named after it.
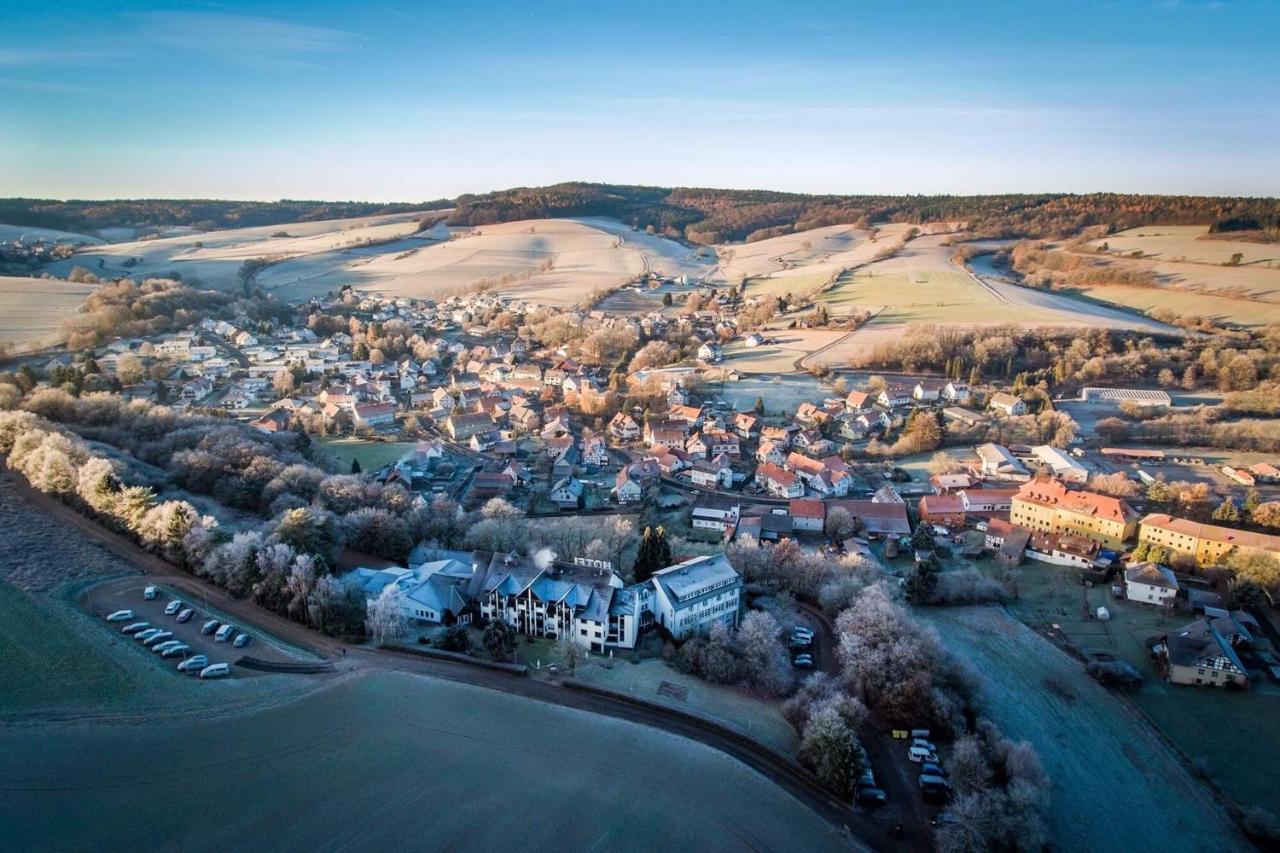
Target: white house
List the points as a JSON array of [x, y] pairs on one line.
[[689, 597], [1150, 583], [1007, 404]]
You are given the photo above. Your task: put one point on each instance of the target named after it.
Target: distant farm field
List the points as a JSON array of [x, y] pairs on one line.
[[1245, 312], [32, 309], [781, 356], [1189, 244]]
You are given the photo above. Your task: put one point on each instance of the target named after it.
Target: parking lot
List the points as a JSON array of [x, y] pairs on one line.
[[129, 594]]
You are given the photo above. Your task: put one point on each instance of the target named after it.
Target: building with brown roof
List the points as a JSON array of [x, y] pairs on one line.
[[1046, 505], [1207, 544]]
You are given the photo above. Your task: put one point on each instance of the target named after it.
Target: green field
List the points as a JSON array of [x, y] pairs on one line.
[[372, 454], [44, 664]]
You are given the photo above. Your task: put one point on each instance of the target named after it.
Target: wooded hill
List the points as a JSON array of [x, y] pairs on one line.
[[713, 216], [202, 214], [696, 215]]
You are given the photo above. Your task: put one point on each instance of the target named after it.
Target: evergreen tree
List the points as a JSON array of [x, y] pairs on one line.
[[355, 466], [975, 376], [1251, 501]]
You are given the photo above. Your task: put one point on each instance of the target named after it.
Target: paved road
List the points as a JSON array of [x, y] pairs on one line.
[[347, 658]]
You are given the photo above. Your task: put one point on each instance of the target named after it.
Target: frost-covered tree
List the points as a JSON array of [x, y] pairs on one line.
[[384, 621]]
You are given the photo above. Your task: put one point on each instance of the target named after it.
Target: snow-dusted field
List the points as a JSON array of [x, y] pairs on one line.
[[49, 235], [31, 309]]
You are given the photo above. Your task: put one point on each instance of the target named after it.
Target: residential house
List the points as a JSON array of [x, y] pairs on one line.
[[1200, 654], [1150, 583], [996, 461], [807, 515], [927, 390], [567, 493], [715, 514], [627, 490], [895, 395], [779, 482], [623, 427], [463, 425], [946, 510], [956, 392], [1007, 404]]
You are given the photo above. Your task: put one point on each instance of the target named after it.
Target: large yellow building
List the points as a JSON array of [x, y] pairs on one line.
[[1049, 506], [1207, 544]]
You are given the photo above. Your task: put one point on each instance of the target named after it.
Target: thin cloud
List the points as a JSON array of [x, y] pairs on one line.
[[243, 39]]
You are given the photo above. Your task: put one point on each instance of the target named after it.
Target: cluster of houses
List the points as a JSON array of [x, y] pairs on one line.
[[582, 599]]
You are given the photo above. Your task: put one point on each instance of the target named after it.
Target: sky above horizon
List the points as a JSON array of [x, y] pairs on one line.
[[397, 101]]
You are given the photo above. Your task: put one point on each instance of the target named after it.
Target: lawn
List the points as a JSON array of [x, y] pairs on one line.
[[1218, 731], [371, 454]]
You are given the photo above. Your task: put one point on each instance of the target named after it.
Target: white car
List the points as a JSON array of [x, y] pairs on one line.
[[172, 607], [165, 646], [135, 627], [209, 627], [224, 633], [174, 651], [215, 670], [158, 637], [120, 616], [194, 664], [242, 641], [149, 593], [919, 754], [143, 636]]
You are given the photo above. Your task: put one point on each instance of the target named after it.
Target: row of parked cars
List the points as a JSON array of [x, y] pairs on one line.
[[163, 642], [934, 786], [801, 647]]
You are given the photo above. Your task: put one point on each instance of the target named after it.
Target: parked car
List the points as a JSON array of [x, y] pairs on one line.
[[172, 607], [193, 664], [934, 788], [803, 662], [120, 616], [919, 754], [224, 633], [870, 797], [933, 769], [149, 593], [185, 616], [209, 627], [215, 670], [174, 651], [143, 636], [242, 641], [135, 627], [924, 742], [158, 637], [944, 819], [867, 779], [165, 646]]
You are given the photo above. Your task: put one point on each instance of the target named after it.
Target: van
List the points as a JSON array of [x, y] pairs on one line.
[[120, 616], [224, 633], [149, 593], [919, 754], [209, 627], [216, 670]]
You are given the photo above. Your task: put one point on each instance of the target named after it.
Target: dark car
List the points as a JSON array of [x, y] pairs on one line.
[[934, 788], [929, 768], [870, 797]]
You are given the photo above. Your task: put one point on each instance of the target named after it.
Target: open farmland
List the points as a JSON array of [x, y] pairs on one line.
[[375, 749], [1188, 244], [1101, 755], [1245, 312], [31, 310], [214, 258]]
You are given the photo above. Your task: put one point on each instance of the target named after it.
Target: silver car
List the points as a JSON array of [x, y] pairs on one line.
[[174, 651], [158, 637], [194, 664]]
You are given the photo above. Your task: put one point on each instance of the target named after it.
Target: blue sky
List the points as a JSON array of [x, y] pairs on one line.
[[392, 100]]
